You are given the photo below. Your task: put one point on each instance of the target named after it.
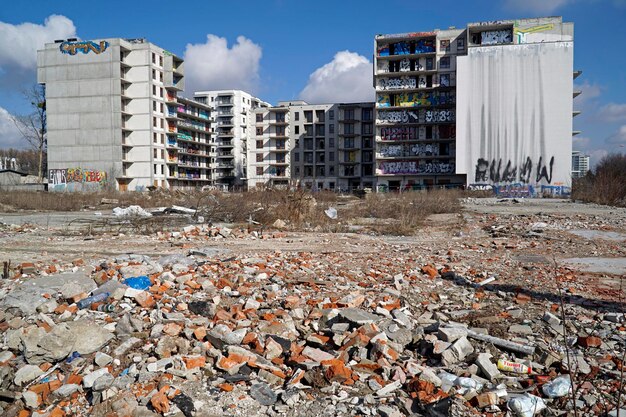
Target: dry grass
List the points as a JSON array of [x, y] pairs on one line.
[[606, 185], [399, 214]]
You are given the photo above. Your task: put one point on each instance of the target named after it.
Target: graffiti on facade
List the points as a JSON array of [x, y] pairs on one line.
[[76, 175], [497, 171], [439, 116], [520, 34], [396, 83], [413, 167], [516, 190], [496, 37], [406, 35], [72, 48], [399, 133], [556, 190], [405, 65], [480, 187], [421, 149], [383, 100], [402, 116]]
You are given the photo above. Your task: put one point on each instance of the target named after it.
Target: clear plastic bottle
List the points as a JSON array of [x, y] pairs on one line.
[[86, 302]]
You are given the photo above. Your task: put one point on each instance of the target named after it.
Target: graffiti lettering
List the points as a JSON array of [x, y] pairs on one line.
[[434, 116], [422, 149], [72, 48], [480, 187], [57, 177], [403, 116], [496, 172], [495, 37], [396, 83], [514, 190], [405, 65], [412, 167], [399, 133]]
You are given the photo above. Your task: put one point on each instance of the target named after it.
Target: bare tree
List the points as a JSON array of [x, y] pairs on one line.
[[32, 127]]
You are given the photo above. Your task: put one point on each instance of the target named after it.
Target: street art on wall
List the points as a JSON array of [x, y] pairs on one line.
[[61, 178], [396, 83], [423, 46], [520, 34], [383, 50], [382, 100], [444, 80], [73, 47], [401, 48], [414, 116], [526, 172], [399, 133], [405, 65], [496, 37], [402, 116], [415, 149], [406, 35], [413, 168]]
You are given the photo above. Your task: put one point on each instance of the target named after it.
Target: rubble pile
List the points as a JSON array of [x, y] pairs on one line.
[[294, 333]]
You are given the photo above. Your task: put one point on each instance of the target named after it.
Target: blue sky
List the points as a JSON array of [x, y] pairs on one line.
[[316, 50]]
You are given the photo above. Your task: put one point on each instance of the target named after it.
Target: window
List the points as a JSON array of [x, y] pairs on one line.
[[154, 137], [308, 158], [296, 157], [259, 118], [297, 129], [162, 108], [153, 58], [331, 128], [154, 106], [348, 128], [160, 61], [367, 142], [308, 130], [259, 131], [366, 114], [160, 76], [280, 117], [319, 130], [259, 157], [154, 74], [308, 116], [155, 169], [444, 62], [162, 124], [367, 128], [154, 122], [331, 156], [331, 171], [319, 115], [429, 64], [162, 138], [154, 153], [460, 44], [296, 115], [331, 142], [297, 171], [348, 114], [259, 144], [280, 131], [444, 45], [161, 90], [154, 90], [259, 170], [331, 115], [162, 169]]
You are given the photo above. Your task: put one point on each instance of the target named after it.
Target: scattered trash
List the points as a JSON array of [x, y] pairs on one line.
[[139, 283], [131, 211], [518, 368], [526, 406], [86, 302], [558, 387], [331, 212]]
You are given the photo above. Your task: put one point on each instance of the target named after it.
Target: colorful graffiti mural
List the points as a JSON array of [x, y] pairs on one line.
[[413, 168], [403, 116], [62, 177], [496, 37], [72, 48]]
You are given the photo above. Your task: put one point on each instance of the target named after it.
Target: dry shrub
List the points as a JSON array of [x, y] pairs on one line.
[[409, 209], [606, 185]]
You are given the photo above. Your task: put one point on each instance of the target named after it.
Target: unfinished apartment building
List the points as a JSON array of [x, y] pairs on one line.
[[230, 109], [355, 146], [106, 103], [415, 81], [269, 148], [489, 105]]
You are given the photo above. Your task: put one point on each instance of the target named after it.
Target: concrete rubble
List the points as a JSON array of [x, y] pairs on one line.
[[225, 331]]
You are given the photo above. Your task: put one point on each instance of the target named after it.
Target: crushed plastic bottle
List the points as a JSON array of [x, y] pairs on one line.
[[518, 368], [526, 406], [86, 302], [468, 383], [558, 387], [139, 283]]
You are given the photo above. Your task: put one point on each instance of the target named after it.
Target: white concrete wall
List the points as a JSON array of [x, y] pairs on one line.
[[514, 115]]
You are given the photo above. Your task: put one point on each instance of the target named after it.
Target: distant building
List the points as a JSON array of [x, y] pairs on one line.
[[580, 164], [231, 113]]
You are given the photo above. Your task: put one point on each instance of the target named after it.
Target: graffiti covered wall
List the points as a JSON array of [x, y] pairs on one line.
[[72, 48], [76, 179], [514, 117], [414, 168]]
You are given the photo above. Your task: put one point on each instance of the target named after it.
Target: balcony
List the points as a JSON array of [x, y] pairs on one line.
[[224, 102], [194, 126], [228, 132]]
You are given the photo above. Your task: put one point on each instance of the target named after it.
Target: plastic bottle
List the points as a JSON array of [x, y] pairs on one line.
[[558, 387], [86, 302], [518, 368], [526, 406], [107, 308]]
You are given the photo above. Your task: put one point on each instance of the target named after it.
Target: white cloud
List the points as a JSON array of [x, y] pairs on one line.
[[619, 137], [19, 43], [613, 112], [213, 65], [589, 92], [580, 142], [347, 78], [10, 137], [536, 6]]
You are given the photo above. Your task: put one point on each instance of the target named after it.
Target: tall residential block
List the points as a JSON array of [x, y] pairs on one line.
[[106, 103], [580, 164], [486, 106], [231, 110]]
